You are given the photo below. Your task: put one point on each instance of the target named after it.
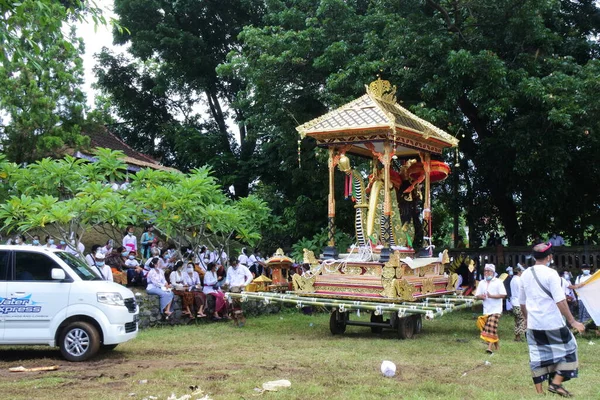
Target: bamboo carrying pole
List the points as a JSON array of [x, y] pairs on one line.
[[428, 310]]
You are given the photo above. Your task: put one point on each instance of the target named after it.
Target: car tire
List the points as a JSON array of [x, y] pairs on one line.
[[79, 341]]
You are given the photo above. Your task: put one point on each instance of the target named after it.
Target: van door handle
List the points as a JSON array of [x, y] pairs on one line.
[[17, 294]]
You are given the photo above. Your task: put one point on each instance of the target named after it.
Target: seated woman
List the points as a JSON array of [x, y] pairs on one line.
[[192, 281], [177, 279], [116, 263], [158, 286], [215, 298]]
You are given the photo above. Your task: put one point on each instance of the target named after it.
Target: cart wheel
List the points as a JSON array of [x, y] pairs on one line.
[[418, 323], [406, 328], [378, 319], [337, 323]]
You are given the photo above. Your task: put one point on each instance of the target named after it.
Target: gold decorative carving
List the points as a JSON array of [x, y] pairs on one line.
[[352, 270], [427, 270], [452, 281], [374, 270], [445, 257], [309, 258], [383, 90], [388, 272], [389, 288], [428, 286], [404, 289], [303, 284], [400, 271]]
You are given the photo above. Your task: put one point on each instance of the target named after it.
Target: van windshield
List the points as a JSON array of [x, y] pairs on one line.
[[78, 266]]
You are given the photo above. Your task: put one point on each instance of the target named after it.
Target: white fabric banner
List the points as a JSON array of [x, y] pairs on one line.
[[589, 293]]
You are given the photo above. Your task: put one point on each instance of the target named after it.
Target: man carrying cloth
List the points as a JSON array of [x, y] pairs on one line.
[[491, 291], [552, 346]]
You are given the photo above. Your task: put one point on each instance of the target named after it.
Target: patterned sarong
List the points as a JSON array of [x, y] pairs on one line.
[[520, 326], [488, 324], [552, 352]]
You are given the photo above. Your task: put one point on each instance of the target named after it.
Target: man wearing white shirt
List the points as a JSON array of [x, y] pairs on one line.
[[491, 290], [515, 289], [243, 257], [552, 346], [238, 276]]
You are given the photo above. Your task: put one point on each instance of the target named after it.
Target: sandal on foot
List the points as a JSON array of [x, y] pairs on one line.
[[489, 351], [559, 390]]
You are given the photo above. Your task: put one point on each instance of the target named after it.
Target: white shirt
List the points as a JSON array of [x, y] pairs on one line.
[[494, 287], [132, 263], [515, 289], [203, 259], [582, 278], [542, 311], [71, 249], [177, 278], [90, 260], [191, 281], [220, 260], [107, 273], [239, 276], [243, 259], [210, 281], [131, 241]]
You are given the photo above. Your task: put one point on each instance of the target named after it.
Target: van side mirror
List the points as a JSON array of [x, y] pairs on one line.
[[58, 274]]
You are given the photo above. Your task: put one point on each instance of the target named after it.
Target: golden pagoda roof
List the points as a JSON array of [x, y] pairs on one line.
[[262, 278], [376, 117]]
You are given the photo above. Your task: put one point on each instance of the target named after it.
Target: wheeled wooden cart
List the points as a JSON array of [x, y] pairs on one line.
[[405, 318]]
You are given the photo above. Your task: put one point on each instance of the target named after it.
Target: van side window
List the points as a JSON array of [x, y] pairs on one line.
[[4, 257], [33, 266]]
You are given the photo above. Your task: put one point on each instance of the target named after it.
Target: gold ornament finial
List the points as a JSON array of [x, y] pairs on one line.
[[383, 90], [344, 164]]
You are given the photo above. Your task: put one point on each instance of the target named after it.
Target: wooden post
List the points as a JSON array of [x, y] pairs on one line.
[[386, 239], [330, 251], [426, 160]]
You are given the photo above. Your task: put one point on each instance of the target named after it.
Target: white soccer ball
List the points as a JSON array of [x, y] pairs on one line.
[[388, 369]]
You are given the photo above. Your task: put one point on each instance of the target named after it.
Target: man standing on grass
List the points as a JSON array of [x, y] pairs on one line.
[[552, 346], [491, 290]]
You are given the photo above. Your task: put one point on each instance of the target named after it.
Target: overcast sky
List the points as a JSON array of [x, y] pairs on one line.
[[95, 37]]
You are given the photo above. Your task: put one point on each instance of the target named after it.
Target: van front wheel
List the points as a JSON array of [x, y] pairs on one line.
[[79, 341]]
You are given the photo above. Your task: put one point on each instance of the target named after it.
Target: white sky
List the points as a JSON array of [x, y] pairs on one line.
[[96, 37]]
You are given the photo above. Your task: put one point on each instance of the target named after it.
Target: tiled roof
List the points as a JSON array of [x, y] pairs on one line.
[[103, 138], [376, 111]]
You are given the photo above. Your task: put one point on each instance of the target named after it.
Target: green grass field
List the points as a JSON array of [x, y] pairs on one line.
[[446, 361]]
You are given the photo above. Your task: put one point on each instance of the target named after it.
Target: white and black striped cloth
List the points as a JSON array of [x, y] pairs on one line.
[[552, 352]]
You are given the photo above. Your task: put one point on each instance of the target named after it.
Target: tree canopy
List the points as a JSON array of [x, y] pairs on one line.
[[515, 81]]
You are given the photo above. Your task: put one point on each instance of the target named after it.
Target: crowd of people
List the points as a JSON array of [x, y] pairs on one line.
[[544, 305], [199, 276]]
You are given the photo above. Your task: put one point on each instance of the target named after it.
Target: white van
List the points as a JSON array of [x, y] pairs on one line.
[[52, 297]]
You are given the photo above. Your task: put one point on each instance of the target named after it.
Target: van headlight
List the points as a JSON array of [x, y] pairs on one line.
[[112, 299]]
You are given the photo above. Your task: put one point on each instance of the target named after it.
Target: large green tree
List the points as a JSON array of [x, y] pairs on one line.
[[171, 90], [516, 81]]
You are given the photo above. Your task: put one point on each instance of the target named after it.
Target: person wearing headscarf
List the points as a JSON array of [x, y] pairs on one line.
[[552, 346], [491, 290]]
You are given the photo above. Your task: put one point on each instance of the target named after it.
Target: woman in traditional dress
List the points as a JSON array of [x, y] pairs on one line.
[[491, 291], [158, 286], [215, 298], [192, 282], [177, 279]]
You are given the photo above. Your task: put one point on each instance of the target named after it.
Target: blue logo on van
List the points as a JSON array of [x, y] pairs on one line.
[[19, 305]]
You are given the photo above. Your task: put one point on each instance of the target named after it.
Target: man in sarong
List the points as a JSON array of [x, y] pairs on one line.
[[515, 288], [552, 346], [491, 290]]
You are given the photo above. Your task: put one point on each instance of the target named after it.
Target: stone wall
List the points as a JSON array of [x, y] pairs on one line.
[[150, 314]]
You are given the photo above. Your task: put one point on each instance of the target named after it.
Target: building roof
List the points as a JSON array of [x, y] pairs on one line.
[[376, 117], [136, 160]]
